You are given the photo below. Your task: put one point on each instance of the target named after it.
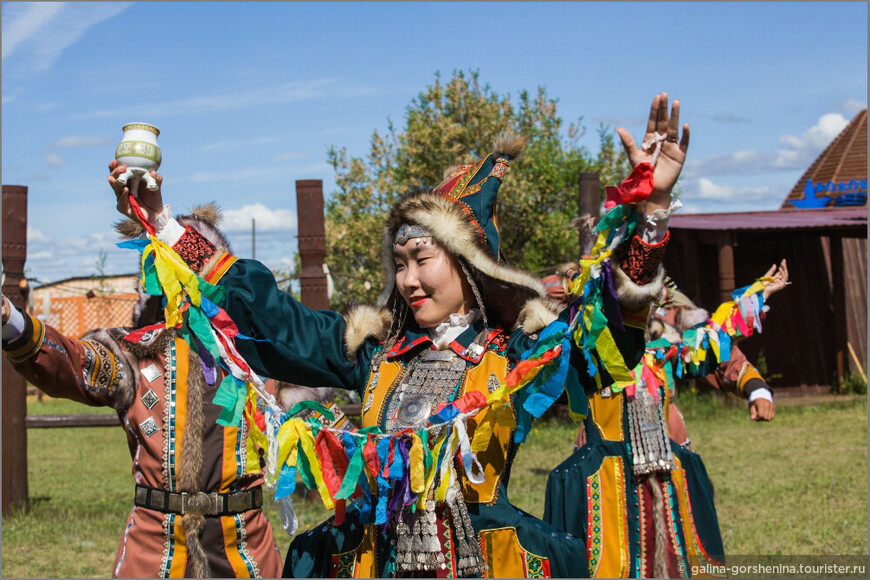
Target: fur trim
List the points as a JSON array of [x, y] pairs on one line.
[[509, 145], [453, 230], [204, 218], [687, 317], [537, 314], [633, 296], [289, 394], [363, 321], [209, 213], [129, 229], [126, 389], [657, 328]]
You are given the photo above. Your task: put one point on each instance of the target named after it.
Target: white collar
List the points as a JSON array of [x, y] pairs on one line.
[[447, 331]]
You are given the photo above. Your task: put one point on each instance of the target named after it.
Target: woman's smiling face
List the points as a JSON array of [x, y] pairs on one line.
[[430, 281]]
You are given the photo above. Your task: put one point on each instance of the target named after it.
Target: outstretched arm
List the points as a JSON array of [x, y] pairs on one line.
[[281, 338], [92, 370]]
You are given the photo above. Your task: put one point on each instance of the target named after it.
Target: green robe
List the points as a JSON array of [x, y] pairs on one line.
[[290, 342]]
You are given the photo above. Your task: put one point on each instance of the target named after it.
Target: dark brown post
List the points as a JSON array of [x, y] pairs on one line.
[[588, 209], [312, 243], [14, 397], [726, 267], [838, 297]]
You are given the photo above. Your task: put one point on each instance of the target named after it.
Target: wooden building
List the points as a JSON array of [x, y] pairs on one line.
[[817, 327]]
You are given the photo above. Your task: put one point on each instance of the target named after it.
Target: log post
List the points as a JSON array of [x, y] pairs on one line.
[[312, 243], [14, 396], [588, 209], [838, 299], [726, 267]]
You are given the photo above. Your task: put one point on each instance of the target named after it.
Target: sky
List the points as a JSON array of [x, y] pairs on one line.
[[250, 96]]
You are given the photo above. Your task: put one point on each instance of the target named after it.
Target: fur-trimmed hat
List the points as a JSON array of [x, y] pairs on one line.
[[460, 213], [205, 220]]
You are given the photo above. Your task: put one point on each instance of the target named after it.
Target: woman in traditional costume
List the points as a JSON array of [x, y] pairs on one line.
[[462, 354], [650, 509]]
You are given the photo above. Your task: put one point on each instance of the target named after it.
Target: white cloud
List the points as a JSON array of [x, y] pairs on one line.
[[853, 106], [794, 153], [705, 195], [236, 220], [51, 259], [53, 159], [34, 236], [81, 141], [817, 137], [39, 32]]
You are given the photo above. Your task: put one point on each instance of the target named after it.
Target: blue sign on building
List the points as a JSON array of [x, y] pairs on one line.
[[833, 193]]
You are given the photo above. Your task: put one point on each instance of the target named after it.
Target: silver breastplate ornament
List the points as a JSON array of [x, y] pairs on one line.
[[431, 378]]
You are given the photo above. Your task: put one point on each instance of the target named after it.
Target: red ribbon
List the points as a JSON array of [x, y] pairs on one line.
[[525, 367], [138, 211], [333, 458], [637, 187], [370, 454]]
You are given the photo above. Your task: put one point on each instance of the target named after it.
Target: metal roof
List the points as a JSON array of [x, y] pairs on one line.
[[784, 219]]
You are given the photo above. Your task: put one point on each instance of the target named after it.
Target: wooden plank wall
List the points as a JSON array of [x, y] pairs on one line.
[[798, 339], [855, 258]]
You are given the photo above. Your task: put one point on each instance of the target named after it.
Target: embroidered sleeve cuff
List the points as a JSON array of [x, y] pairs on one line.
[[27, 344], [641, 260], [15, 326], [194, 249]]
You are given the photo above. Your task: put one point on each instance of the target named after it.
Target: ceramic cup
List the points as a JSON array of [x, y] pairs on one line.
[[139, 151]]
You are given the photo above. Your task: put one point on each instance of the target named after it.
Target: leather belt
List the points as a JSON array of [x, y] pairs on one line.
[[207, 504]]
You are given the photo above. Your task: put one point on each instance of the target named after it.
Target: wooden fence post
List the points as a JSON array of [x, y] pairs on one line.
[[14, 396], [312, 243]]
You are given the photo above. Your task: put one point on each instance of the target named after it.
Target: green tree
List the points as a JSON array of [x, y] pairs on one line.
[[455, 123]]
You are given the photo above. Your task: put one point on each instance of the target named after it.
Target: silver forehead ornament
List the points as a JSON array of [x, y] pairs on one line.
[[407, 232]]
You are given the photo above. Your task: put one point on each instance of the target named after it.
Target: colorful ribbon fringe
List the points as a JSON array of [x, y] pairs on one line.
[[734, 319], [379, 473]]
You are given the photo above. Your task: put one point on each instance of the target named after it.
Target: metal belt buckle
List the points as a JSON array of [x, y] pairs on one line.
[[199, 502]]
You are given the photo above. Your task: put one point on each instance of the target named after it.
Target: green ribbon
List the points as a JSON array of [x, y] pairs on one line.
[[355, 467], [320, 408], [231, 398]]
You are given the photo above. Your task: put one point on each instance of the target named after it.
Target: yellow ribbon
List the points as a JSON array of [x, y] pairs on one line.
[[415, 458], [175, 277]]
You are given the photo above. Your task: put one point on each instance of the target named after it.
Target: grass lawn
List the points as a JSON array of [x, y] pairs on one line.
[[797, 485]]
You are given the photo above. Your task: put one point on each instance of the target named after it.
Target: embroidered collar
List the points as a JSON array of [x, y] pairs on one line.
[[470, 344]]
